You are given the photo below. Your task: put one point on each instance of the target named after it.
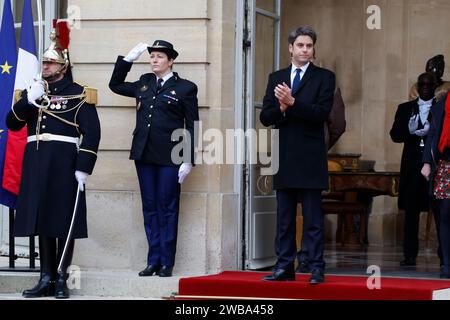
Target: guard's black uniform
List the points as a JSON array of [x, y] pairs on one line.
[[48, 186]]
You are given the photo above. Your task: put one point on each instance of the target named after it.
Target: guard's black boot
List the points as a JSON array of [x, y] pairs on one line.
[[44, 288], [47, 257], [61, 290]]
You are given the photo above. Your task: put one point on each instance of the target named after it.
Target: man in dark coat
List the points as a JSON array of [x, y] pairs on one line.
[[61, 152], [411, 126], [299, 114]]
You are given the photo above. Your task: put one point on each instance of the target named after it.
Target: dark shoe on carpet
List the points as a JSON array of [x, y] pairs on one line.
[[165, 272], [281, 275], [149, 271], [303, 267], [408, 262], [317, 277]]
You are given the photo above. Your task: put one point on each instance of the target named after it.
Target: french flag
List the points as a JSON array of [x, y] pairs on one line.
[[27, 71]]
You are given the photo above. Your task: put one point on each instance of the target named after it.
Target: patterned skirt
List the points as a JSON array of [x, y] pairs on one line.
[[442, 181]]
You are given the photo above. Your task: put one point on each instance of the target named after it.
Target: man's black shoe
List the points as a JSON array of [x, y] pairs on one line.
[[317, 277], [281, 275], [165, 272], [149, 271], [44, 288], [303, 267], [408, 262]]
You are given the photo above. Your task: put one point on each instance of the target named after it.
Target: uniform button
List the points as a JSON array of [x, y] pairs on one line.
[[151, 107], [43, 127], [150, 116], [154, 98], [45, 117], [148, 126]]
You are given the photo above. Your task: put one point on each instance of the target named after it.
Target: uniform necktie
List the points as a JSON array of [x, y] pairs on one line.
[[159, 85], [296, 82]]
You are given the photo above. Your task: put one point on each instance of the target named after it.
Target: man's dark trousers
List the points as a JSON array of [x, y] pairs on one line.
[[313, 222]]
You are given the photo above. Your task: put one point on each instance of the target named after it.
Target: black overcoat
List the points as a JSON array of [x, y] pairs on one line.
[[48, 184], [302, 149], [431, 154], [411, 163]]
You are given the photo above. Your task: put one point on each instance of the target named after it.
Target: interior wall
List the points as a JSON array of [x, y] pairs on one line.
[[375, 70]]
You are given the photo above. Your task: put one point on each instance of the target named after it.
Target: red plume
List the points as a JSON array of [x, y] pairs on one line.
[[63, 34]]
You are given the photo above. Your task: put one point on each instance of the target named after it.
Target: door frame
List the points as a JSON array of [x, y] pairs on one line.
[[246, 12]]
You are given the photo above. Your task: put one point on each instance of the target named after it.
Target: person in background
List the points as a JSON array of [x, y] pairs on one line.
[[411, 127]]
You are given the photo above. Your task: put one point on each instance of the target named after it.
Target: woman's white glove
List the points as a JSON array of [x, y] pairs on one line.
[[136, 52], [36, 91], [81, 178], [185, 169]]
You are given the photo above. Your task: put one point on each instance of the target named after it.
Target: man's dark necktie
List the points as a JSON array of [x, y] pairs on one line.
[[296, 82], [159, 85]]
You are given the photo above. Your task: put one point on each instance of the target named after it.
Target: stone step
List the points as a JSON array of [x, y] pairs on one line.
[[98, 283]]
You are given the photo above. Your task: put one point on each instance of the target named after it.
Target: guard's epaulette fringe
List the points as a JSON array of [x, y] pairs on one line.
[[17, 95], [90, 93]]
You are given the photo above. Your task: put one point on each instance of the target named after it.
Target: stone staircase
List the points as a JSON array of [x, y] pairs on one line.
[[97, 284]]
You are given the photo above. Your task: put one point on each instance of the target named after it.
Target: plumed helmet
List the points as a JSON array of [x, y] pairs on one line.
[[58, 51]]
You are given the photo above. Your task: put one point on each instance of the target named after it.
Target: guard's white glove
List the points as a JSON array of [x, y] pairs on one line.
[[81, 178], [185, 169], [36, 91], [423, 132], [136, 52]]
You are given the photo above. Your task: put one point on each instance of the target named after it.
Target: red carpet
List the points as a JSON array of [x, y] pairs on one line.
[[250, 285]]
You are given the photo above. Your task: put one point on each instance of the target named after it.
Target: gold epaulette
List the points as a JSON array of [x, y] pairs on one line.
[[90, 94], [17, 95]]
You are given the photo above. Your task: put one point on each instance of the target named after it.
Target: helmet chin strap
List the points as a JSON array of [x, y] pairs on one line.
[[54, 75]]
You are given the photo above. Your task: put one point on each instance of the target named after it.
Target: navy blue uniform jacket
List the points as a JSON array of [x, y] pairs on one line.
[[158, 114]]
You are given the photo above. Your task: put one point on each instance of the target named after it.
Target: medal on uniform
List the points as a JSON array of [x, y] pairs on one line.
[[173, 92], [144, 88]]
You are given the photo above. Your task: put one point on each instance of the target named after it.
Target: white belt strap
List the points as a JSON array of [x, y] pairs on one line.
[[53, 137]]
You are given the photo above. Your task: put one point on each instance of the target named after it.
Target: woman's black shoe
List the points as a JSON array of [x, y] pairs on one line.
[[165, 272], [149, 271]]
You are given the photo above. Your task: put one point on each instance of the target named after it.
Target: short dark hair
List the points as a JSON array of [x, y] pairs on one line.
[[302, 31]]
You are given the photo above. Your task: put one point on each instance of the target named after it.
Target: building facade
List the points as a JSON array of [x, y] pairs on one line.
[[228, 47]]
